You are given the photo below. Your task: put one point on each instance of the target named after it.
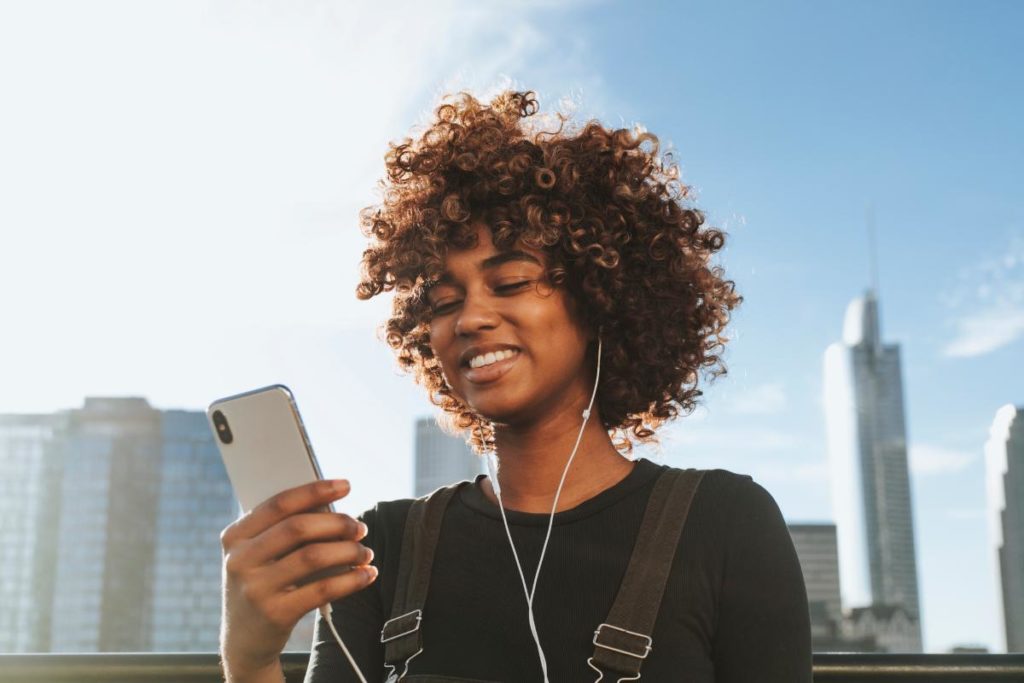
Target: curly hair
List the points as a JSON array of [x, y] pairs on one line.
[[614, 221]]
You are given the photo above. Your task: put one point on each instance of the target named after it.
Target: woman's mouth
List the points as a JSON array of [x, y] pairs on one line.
[[490, 366]]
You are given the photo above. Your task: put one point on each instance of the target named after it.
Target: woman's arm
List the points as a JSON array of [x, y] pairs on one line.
[[763, 632]]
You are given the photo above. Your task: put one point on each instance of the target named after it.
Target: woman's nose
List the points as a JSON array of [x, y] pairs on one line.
[[475, 314]]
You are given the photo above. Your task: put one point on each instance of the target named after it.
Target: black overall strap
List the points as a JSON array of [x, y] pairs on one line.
[[401, 633], [623, 642]]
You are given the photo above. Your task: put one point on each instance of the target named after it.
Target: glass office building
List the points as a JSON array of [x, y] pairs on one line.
[[819, 561], [867, 443], [109, 455], [110, 532], [441, 458], [195, 503], [1004, 467], [29, 506]]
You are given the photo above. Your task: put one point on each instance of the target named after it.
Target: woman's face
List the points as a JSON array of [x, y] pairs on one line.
[[507, 341]]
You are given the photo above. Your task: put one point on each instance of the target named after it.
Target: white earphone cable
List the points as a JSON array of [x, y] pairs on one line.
[[493, 472], [325, 611]]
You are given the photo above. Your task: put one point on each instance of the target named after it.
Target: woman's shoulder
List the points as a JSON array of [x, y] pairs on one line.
[[728, 502], [390, 515], [718, 483], [736, 490]]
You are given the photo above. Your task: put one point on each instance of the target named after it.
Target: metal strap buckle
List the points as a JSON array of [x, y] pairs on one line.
[[385, 638], [642, 642]]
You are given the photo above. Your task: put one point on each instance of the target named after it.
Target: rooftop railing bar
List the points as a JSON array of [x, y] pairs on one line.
[[876, 668], [205, 668]]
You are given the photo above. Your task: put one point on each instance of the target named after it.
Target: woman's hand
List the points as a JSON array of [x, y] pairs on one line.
[[267, 554]]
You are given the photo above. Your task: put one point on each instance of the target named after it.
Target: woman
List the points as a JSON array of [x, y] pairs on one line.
[[554, 294]]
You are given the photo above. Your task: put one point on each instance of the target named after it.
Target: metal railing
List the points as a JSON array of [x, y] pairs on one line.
[[205, 668]]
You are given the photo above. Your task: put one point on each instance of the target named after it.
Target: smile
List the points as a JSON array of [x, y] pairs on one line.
[[489, 367]]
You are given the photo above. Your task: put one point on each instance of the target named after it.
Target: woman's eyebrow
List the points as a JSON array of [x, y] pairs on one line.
[[506, 256], [493, 262]]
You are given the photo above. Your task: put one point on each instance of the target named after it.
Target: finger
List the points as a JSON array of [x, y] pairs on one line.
[[289, 502], [314, 557], [289, 534], [294, 604]]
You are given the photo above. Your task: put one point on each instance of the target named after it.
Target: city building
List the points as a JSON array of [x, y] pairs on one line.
[[890, 628], [817, 551], [441, 458], [110, 521], [1004, 467], [29, 505], [968, 650], [109, 455], [867, 444], [195, 503], [819, 560]]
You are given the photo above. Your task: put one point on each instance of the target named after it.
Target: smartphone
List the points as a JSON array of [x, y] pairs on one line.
[[265, 448], [263, 443]]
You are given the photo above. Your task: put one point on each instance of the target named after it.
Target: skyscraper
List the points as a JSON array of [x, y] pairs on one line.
[[110, 460], [1004, 467], [110, 520], [441, 458], [29, 508], [195, 503], [867, 445]]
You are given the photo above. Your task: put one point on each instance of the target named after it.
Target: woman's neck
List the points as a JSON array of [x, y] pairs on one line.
[[531, 462]]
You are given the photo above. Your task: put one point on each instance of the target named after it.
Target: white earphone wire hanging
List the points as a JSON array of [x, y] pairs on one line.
[[325, 612], [492, 469]]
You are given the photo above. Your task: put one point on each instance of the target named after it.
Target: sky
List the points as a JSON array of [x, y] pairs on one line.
[[182, 182]]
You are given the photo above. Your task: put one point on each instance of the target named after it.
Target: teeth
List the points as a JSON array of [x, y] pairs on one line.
[[489, 358]]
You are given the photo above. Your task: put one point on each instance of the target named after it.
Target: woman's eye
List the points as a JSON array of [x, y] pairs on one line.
[[512, 286], [442, 308]]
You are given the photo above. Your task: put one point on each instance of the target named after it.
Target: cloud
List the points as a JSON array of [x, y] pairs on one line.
[[763, 399], [988, 304], [986, 331], [926, 459], [214, 191]]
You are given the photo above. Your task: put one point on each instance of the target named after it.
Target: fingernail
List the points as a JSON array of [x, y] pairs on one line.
[[371, 573], [369, 555], [363, 530], [341, 485]]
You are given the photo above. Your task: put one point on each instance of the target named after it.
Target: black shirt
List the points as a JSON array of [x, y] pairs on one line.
[[735, 607]]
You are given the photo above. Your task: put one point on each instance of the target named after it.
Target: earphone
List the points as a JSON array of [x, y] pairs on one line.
[[492, 469]]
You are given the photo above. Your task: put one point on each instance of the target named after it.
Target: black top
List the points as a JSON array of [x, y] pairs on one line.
[[734, 610]]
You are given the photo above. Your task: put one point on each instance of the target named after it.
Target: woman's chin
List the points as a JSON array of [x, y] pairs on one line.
[[501, 410], [499, 415]]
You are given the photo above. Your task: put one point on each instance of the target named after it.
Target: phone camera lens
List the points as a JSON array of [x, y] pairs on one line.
[[221, 425]]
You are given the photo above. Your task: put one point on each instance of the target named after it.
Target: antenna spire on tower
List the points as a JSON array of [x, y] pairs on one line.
[[872, 249]]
